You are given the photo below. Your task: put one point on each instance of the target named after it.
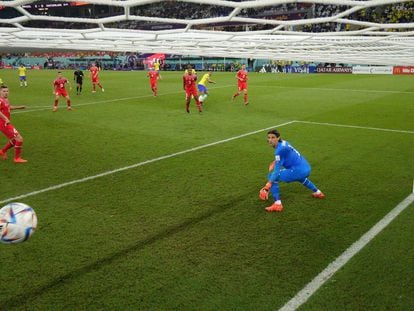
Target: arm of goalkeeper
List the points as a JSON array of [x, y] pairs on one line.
[[264, 192]]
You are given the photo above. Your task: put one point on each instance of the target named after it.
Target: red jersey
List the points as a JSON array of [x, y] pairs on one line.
[[4, 109], [153, 75], [242, 75], [189, 81], [94, 72], [59, 84]]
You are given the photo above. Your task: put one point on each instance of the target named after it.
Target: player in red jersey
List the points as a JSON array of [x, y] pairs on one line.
[[242, 84], [189, 85], [154, 76], [94, 70], [15, 139], [60, 90]]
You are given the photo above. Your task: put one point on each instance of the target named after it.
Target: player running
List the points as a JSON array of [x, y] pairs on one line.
[[202, 86], [154, 76], [15, 139], [60, 90], [289, 165], [189, 85], [241, 76], [94, 71]]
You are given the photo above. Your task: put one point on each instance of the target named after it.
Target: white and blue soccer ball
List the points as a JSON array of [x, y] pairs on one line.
[[18, 221]]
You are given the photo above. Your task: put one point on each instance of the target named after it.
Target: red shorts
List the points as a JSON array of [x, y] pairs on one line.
[[242, 86], [9, 131], [153, 84], [61, 93], [189, 92], [95, 80]]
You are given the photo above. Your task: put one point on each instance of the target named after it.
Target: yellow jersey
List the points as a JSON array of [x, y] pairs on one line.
[[156, 66], [204, 79], [22, 71]]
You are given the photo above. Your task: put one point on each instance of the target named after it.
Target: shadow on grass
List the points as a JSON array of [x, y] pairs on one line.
[[18, 301]]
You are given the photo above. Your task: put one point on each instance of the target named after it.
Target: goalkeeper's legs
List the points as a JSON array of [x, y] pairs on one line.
[[277, 205], [274, 190], [316, 193], [308, 184], [301, 175]]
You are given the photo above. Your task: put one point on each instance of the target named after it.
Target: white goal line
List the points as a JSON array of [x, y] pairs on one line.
[[304, 294]]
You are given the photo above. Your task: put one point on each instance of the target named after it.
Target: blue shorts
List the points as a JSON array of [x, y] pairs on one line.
[[298, 173], [22, 78], [202, 88]]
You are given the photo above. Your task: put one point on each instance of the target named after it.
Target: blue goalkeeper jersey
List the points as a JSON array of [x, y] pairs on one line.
[[286, 156]]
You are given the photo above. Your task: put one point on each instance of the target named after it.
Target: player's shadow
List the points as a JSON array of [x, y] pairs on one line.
[[18, 301]]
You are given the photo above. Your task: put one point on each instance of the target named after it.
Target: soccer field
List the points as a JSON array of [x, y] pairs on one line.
[[142, 206]]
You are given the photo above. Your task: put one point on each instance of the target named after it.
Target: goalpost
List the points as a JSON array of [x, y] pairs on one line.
[[348, 39]]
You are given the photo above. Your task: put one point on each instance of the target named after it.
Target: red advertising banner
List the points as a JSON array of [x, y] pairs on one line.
[[334, 69], [403, 70]]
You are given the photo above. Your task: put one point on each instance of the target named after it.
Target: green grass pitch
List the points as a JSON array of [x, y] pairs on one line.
[[175, 223]]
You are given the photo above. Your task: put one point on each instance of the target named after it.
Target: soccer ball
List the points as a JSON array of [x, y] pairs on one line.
[[18, 221]]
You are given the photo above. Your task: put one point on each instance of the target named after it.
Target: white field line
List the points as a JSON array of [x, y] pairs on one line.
[[77, 181], [49, 107], [333, 89], [303, 295], [357, 127]]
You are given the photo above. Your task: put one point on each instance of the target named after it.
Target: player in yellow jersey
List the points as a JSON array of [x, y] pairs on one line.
[[202, 86], [22, 75]]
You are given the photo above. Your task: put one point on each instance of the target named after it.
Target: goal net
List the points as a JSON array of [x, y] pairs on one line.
[[358, 32]]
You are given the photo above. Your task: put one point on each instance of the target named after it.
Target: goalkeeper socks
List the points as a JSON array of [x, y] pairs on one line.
[[274, 189], [308, 184]]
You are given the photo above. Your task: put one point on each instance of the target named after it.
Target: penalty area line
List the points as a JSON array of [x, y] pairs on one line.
[[303, 295], [125, 168], [357, 127]]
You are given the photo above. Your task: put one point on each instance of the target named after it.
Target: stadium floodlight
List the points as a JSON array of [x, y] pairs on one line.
[[358, 32]]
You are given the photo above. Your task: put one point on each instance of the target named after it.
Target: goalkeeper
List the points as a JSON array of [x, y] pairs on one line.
[[289, 165]]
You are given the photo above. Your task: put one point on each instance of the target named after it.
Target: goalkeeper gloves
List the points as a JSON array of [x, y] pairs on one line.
[[264, 192]]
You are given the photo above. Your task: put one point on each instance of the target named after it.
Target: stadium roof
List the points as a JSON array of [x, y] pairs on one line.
[[367, 43]]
